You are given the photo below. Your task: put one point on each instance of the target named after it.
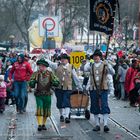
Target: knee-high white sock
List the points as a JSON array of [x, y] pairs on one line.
[[96, 117], [62, 111], [105, 118], [67, 112]]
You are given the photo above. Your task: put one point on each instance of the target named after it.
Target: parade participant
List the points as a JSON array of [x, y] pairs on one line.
[[67, 75], [98, 86], [21, 71], [42, 93]]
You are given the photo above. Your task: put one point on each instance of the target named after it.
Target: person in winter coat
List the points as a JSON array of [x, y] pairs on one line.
[[129, 81], [121, 77], [3, 93], [22, 71], [136, 97], [10, 94]]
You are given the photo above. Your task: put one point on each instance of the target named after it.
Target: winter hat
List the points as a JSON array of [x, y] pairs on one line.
[[2, 77], [21, 55], [97, 53], [43, 62]]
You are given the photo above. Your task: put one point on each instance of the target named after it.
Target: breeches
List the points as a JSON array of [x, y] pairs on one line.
[[63, 98], [99, 103], [43, 105]]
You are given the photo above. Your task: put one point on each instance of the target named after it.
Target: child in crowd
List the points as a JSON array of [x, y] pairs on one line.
[[3, 94]]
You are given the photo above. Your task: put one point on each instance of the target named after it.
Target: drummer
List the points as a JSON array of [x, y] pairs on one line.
[[67, 77]]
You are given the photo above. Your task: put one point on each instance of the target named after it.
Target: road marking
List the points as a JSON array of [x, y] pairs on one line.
[[54, 125], [61, 137], [128, 131], [12, 125]]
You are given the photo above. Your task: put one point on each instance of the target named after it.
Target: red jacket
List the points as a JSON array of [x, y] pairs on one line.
[[130, 79], [21, 71]]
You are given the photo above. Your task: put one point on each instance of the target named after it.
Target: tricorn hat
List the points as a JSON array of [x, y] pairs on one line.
[[97, 53], [43, 62], [64, 56]]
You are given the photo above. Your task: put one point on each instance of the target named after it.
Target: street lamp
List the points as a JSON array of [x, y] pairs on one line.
[[12, 37]]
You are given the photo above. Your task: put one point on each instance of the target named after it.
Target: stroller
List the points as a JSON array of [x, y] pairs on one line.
[[79, 104]]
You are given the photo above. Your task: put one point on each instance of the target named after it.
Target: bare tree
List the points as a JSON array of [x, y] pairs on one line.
[[6, 23], [22, 12], [74, 14], [129, 18]]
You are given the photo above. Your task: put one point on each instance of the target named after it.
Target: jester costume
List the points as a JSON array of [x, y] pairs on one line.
[[42, 83]]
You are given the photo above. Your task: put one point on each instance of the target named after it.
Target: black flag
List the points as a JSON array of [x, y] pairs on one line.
[[102, 14]]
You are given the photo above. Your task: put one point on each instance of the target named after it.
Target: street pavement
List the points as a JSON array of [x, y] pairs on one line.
[[124, 122], [128, 117], [5, 119]]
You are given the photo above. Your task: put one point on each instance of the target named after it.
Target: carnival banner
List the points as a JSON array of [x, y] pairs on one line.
[[102, 14]]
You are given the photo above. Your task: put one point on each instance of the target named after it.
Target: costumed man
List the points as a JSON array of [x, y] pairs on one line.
[[98, 87], [42, 84], [66, 75]]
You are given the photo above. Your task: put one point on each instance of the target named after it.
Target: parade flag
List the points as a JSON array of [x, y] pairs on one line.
[[102, 14]]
